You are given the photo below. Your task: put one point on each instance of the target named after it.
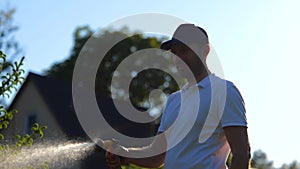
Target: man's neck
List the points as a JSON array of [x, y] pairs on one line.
[[200, 77]]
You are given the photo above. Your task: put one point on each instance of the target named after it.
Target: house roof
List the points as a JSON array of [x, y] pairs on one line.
[[57, 94], [58, 97]]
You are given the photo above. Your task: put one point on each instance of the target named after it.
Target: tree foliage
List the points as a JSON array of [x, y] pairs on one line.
[[142, 82], [8, 42], [11, 76], [260, 161], [293, 165], [9, 80]]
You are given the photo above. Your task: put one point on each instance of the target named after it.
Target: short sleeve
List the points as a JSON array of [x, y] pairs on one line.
[[234, 111], [161, 127]]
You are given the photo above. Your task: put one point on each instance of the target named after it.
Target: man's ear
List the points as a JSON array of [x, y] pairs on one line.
[[205, 50]]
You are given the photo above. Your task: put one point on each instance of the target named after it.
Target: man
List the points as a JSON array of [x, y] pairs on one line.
[[200, 140]]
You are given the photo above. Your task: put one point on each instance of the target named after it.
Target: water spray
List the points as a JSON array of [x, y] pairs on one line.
[[57, 155], [54, 154]]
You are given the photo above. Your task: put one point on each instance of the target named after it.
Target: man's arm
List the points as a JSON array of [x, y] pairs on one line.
[[237, 138], [158, 145]]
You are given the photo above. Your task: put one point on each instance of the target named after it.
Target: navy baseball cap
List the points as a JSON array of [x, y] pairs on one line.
[[186, 34]]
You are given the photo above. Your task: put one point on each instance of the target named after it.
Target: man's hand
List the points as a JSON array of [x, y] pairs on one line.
[[113, 160], [113, 148], [125, 154]]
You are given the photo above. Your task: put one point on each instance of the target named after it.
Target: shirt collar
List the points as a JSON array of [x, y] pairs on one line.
[[206, 81], [203, 83]]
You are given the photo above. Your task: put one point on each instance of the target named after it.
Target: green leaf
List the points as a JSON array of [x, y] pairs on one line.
[[18, 136], [1, 137], [41, 133], [5, 124], [44, 127], [27, 136], [36, 125], [30, 141]]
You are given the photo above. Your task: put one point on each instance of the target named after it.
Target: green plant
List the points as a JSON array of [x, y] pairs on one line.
[[10, 79]]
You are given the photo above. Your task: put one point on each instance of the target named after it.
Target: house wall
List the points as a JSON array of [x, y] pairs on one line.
[[28, 103]]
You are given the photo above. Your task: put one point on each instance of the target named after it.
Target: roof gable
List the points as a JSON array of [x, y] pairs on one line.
[[57, 94]]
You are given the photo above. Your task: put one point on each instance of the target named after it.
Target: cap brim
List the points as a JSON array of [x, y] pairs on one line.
[[168, 44]]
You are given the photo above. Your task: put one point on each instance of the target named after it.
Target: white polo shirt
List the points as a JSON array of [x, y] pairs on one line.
[[193, 121]]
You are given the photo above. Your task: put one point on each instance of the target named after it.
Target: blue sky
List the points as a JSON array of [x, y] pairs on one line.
[[256, 41]]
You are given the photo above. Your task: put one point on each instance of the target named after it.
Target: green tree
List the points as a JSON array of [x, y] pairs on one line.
[[293, 165], [11, 76], [8, 42], [86, 41], [260, 160], [142, 82], [9, 81]]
